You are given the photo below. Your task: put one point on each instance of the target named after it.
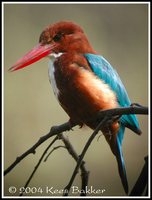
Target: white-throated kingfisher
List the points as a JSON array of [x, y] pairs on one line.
[[84, 83]]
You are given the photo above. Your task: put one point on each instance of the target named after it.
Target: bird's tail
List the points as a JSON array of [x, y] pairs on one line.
[[119, 157]]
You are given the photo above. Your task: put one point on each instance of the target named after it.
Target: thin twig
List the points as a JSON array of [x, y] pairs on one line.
[[69, 147], [36, 167], [55, 130], [84, 172], [55, 148], [67, 188]]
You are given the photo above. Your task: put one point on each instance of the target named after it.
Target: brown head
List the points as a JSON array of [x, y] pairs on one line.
[[60, 37]]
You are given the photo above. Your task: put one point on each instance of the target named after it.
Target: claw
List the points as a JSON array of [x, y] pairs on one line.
[[73, 122], [80, 125]]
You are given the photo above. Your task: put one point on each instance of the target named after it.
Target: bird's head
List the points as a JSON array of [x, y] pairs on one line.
[[61, 37]]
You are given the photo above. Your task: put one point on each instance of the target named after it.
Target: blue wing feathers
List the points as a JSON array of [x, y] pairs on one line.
[[103, 70]]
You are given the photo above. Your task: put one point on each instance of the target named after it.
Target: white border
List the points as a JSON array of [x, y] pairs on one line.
[[74, 2], [149, 100], [149, 116]]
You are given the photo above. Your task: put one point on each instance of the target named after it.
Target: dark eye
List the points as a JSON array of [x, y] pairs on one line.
[[57, 37]]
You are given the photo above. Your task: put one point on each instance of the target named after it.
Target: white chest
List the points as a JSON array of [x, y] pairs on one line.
[[51, 72]]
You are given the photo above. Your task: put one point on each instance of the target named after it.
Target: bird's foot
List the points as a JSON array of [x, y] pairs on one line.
[[108, 134]]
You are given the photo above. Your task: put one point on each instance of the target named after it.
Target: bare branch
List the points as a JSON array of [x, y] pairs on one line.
[[69, 147], [67, 188], [39, 162], [84, 172], [142, 182], [134, 109], [55, 130], [106, 118]]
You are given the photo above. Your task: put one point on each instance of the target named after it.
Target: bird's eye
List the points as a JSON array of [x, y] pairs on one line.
[[57, 37]]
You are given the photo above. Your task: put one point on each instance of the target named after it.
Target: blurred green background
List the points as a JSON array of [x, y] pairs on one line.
[[117, 31]]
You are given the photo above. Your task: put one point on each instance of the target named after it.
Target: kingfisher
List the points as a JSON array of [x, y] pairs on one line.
[[84, 83]]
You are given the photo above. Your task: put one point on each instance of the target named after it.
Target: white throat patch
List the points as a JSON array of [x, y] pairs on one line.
[[53, 56], [51, 72]]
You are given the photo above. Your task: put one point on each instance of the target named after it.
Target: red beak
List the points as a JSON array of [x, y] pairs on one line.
[[34, 55]]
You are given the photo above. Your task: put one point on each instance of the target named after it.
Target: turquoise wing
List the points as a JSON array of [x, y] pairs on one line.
[[103, 70]]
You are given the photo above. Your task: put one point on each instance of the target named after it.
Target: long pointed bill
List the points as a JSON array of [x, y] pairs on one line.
[[34, 55]]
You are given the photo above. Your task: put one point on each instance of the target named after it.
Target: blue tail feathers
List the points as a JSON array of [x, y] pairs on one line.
[[120, 160]]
